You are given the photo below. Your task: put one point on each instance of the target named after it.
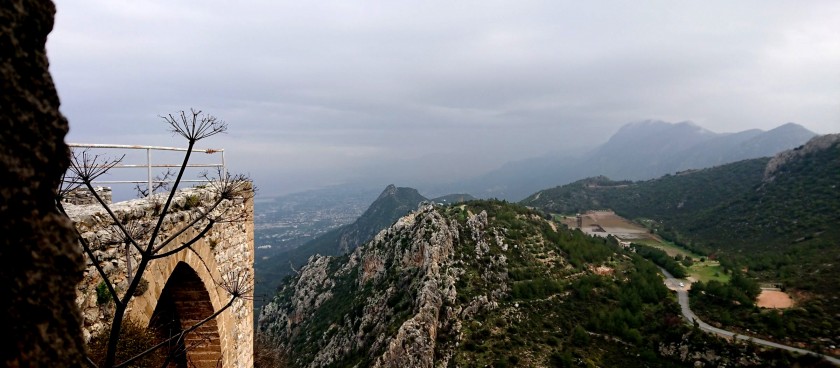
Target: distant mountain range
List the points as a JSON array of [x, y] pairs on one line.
[[641, 150]]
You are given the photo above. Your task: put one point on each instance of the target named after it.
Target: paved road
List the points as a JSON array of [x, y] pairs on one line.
[[682, 296]]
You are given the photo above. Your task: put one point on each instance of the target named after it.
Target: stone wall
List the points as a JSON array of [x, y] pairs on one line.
[[83, 197], [228, 247]]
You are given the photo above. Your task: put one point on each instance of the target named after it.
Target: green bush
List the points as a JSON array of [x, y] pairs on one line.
[[191, 201], [103, 296]]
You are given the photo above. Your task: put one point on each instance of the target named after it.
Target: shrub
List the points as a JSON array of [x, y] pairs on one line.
[[102, 294], [192, 201], [579, 336]]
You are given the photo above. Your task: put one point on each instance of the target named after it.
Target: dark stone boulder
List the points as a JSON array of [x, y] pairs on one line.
[[40, 260]]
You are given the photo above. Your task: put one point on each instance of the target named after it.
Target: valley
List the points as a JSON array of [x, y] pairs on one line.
[[764, 220], [489, 283], [607, 223], [677, 219], [284, 223]]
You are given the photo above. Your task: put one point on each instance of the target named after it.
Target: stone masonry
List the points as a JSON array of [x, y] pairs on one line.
[[195, 276]]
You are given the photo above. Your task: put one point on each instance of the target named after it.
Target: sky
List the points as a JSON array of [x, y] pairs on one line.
[[320, 93]]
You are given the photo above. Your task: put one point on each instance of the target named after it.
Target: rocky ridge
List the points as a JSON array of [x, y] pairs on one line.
[[816, 144], [421, 245], [484, 284]]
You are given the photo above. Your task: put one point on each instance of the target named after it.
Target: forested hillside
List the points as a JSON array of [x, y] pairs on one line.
[[488, 284], [787, 219], [675, 199], [777, 219]]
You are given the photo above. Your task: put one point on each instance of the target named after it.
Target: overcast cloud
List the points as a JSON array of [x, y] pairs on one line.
[[320, 92]]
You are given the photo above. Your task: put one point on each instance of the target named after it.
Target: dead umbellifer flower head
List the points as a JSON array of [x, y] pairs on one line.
[[86, 167], [196, 125], [229, 186], [238, 284]]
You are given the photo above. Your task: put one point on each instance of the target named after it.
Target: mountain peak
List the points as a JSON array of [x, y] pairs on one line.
[[390, 191], [399, 194], [790, 128]]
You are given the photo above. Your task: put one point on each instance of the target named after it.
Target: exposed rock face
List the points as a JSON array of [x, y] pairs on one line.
[[407, 311], [815, 144], [412, 261], [393, 203], [39, 257]]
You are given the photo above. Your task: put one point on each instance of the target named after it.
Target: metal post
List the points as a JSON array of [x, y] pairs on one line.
[[149, 171], [224, 168]]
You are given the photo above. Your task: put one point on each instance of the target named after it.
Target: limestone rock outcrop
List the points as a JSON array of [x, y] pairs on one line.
[[409, 272], [818, 143]]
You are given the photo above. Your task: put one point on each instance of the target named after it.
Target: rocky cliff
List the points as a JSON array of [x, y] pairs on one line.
[[39, 257], [393, 203], [484, 284], [412, 264]]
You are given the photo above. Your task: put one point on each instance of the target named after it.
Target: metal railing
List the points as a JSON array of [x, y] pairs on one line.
[[149, 165]]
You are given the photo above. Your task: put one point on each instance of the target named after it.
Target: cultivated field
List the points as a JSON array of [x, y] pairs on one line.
[[603, 223]]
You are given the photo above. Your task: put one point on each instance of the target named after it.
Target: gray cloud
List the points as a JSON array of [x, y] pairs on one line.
[[321, 92]]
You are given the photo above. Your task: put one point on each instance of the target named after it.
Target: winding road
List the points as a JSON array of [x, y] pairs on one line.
[[682, 296]]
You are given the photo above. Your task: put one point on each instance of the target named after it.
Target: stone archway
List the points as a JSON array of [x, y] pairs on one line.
[[183, 303], [225, 249]]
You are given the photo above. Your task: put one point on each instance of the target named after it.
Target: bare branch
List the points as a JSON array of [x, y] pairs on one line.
[[203, 215], [233, 187], [111, 213], [195, 126], [89, 251], [160, 182], [237, 188], [87, 167], [69, 182], [165, 209], [187, 244], [238, 283], [131, 230]]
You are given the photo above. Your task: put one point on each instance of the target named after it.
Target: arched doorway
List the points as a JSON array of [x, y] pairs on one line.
[[183, 303]]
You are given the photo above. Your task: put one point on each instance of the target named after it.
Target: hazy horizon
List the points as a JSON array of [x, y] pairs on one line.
[[330, 93]]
